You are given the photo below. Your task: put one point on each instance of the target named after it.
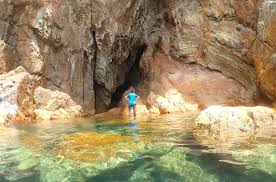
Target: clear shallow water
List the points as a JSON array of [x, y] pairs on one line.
[[149, 149]]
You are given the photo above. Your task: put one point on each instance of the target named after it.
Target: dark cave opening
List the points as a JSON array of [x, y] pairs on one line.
[[132, 78], [117, 95]]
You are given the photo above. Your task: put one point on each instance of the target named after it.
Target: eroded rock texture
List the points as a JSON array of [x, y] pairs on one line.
[[55, 105], [205, 59], [16, 98], [264, 49], [218, 126], [179, 55]]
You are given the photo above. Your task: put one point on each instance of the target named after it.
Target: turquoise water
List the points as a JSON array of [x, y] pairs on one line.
[[116, 149]]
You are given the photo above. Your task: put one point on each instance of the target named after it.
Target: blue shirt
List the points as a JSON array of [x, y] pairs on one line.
[[132, 98]]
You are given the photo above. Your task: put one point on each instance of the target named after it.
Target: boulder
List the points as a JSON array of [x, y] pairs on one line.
[[25, 95], [53, 104], [219, 125], [16, 96]]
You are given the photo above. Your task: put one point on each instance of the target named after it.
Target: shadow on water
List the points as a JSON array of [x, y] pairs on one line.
[[227, 172], [146, 171], [188, 140], [163, 150], [24, 179]]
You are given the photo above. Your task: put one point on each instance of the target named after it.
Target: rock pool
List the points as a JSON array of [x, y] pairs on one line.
[[118, 149]]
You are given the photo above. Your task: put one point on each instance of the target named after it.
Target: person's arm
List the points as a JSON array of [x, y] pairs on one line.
[[126, 97]]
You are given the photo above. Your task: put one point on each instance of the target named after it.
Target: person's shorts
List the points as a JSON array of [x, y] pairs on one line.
[[132, 105]]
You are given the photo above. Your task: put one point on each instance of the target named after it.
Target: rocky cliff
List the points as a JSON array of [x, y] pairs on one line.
[[179, 55]]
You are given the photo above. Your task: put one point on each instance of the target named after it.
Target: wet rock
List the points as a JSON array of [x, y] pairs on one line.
[[233, 125], [53, 104], [86, 147], [114, 112]]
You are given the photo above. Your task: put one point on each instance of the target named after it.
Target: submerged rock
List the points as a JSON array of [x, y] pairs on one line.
[[88, 147], [261, 157], [219, 125]]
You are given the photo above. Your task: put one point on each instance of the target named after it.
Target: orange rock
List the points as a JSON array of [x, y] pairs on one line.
[[274, 105], [247, 11], [178, 87], [111, 113], [264, 49], [6, 58], [89, 146]]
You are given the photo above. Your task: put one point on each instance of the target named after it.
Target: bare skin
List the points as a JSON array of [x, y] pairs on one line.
[[132, 107], [134, 110]]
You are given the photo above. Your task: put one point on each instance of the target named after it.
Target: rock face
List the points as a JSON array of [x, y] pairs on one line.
[[178, 87], [219, 124], [264, 49], [180, 56], [5, 58], [205, 48]]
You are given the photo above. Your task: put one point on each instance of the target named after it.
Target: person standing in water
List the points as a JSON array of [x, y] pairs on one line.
[[132, 97]]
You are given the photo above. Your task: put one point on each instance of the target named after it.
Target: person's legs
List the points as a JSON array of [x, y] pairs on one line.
[[133, 107], [134, 110], [129, 110]]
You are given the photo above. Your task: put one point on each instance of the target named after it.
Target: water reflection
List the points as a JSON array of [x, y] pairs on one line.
[[133, 129], [117, 149]]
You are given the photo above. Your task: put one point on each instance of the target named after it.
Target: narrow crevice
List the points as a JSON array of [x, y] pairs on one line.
[[101, 98], [94, 60]]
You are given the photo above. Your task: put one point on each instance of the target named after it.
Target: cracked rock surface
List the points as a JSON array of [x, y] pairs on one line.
[[180, 56]]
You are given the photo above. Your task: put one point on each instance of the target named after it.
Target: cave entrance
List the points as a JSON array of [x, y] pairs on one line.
[[132, 78]]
